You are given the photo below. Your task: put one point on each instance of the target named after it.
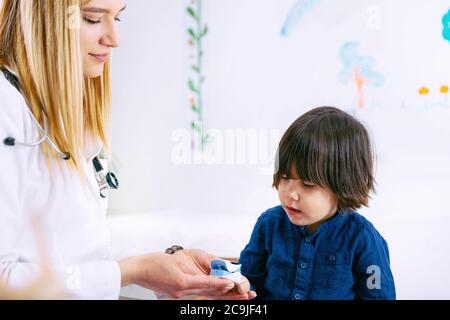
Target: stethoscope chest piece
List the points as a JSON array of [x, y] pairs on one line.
[[105, 182], [112, 180]]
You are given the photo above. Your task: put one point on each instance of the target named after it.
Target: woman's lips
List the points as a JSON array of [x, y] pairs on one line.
[[100, 57]]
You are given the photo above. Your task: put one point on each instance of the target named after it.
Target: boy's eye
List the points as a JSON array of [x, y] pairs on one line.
[[308, 184], [284, 177]]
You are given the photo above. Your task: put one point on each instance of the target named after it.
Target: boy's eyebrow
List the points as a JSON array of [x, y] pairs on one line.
[[100, 10]]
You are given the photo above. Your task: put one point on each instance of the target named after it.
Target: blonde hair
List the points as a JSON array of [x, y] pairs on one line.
[[41, 43]]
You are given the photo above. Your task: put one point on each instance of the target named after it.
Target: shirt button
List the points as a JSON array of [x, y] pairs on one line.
[[332, 257], [303, 265], [297, 296], [308, 239]]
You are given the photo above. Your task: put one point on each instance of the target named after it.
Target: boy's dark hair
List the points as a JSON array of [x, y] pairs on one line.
[[332, 149]]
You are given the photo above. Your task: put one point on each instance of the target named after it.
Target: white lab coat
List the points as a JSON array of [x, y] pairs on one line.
[[72, 218]]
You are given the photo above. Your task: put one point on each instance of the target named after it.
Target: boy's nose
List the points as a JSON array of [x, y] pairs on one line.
[[293, 195]]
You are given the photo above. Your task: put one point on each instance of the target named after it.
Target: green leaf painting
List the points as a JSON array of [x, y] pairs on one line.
[[197, 32]]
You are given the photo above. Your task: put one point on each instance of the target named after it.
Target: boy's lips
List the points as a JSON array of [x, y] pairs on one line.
[[293, 210]]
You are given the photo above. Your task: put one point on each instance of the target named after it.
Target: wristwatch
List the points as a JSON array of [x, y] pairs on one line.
[[174, 249]]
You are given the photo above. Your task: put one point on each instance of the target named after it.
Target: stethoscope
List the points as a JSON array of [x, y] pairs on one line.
[[105, 182]]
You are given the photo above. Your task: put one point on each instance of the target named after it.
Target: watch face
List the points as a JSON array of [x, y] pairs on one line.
[[174, 249]]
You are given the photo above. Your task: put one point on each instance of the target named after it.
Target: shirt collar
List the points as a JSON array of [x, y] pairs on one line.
[[10, 70], [331, 223], [92, 148]]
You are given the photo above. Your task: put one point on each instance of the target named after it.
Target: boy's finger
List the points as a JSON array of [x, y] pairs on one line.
[[244, 286]]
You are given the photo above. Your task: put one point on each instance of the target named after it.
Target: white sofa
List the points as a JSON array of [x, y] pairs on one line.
[[419, 247]]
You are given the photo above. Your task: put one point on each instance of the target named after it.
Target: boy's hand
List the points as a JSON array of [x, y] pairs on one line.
[[241, 291]]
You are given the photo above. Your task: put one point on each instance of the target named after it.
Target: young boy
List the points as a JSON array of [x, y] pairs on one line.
[[314, 245]]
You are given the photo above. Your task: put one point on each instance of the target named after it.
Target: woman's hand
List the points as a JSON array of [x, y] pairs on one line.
[[184, 273], [202, 261]]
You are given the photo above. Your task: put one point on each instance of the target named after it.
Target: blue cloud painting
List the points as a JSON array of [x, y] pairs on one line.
[[298, 11]]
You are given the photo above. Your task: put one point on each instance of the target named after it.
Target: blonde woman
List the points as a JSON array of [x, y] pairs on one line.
[[54, 121]]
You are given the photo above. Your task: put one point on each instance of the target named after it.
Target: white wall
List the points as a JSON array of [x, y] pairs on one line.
[[259, 80]]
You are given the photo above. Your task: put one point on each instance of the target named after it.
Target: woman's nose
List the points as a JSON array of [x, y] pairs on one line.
[[111, 37]]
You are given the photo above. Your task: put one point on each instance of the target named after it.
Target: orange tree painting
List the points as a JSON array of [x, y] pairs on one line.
[[359, 70]]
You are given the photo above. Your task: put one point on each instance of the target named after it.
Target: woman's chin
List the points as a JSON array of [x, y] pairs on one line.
[[93, 73]]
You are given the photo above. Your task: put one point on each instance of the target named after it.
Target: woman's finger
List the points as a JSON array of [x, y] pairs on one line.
[[208, 283], [237, 296]]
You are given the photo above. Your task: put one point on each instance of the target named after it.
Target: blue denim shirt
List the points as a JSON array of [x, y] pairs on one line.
[[345, 258]]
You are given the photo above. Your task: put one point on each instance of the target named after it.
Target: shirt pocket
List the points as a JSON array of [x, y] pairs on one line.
[[331, 269], [280, 278], [279, 271]]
